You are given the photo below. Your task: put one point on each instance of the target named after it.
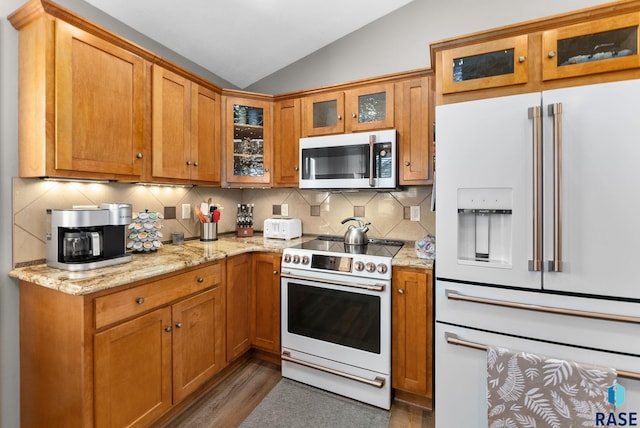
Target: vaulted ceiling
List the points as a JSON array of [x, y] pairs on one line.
[[243, 41]]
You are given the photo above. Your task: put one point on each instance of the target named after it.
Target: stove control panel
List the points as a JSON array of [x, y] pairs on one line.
[[358, 265]]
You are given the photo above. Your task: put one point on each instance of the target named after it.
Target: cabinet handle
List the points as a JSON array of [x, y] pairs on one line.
[[275, 272], [522, 59], [168, 329], [339, 117], [353, 115], [139, 155], [188, 162], [178, 325], [140, 300], [296, 169], [266, 170], [195, 164], [400, 290], [200, 279], [407, 163], [551, 54]]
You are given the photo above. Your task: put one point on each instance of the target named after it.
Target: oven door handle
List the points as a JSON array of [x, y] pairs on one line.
[[378, 382], [374, 287]]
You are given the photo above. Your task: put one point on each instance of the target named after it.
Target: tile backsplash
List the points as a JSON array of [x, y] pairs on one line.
[[385, 211]]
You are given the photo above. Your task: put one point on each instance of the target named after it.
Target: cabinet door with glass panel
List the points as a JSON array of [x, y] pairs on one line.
[[598, 46], [489, 64], [248, 141], [360, 109]]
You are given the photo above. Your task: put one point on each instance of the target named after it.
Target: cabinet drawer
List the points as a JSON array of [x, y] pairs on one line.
[[128, 303]]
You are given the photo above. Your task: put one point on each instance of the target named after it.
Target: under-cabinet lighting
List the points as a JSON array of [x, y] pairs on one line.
[[165, 185], [75, 180]]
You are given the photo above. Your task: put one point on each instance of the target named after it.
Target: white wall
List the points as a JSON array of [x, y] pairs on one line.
[[395, 43], [400, 41]]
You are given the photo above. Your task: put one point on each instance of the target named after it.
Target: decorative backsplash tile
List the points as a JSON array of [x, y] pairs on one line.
[[385, 211]]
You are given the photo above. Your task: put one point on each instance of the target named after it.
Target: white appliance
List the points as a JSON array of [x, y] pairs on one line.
[[336, 317], [362, 160], [538, 231], [282, 228]]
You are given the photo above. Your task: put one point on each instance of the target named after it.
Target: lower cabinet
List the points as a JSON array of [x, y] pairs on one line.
[[238, 305], [412, 335], [265, 302]]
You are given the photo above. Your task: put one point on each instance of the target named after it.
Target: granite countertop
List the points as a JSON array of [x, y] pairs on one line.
[[171, 258]]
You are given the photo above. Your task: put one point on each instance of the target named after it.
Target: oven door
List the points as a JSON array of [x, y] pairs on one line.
[[334, 318]]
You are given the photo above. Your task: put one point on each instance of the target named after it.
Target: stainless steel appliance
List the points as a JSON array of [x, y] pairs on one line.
[[336, 317], [365, 160], [88, 238], [537, 237]]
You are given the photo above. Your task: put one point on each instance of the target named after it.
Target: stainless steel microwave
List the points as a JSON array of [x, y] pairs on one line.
[[363, 160]]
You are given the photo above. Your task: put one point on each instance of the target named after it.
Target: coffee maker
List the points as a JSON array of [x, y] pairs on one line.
[[88, 238]]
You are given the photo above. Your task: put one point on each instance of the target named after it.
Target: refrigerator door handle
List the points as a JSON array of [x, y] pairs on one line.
[[555, 265], [535, 265]]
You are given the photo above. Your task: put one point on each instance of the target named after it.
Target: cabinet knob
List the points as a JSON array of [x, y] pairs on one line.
[[522, 59], [140, 300], [275, 272], [266, 170], [200, 279], [168, 329], [296, 169], [551, 54], [353, 115], [407, 163], [139, 155], [188, 162], [339, 117], [400, 290], [195, 164], [178, 325]]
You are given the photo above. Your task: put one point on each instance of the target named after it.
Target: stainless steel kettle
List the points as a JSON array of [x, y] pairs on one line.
[[356, 235]]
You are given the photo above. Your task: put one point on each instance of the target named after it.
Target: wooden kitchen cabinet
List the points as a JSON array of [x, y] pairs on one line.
[[83, 103], [364, 108], [248, 141], [186, 131], [238, 305], [415, 113], [287, 124], [123, 357], [597, 46], [412, 335], [265, 302], [488, 64]]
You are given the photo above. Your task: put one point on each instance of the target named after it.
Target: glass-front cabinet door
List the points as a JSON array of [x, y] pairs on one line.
[[370, 108], [248, 141], [485, 65], [598, 46], [324, 114]]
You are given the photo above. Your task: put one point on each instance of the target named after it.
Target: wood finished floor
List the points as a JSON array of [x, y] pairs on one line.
[[233, 399]]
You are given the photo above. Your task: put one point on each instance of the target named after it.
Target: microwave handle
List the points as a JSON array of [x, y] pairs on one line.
[[372, 140]]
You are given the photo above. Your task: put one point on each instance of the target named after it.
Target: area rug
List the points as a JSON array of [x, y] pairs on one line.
[[292, 404]]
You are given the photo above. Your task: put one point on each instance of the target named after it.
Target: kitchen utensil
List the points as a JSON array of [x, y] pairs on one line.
[[356, 235]]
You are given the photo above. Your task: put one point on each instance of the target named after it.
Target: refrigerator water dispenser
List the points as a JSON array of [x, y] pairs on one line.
[[484, 226]]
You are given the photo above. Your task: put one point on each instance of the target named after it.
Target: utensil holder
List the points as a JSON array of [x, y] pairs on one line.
[[209, 231]]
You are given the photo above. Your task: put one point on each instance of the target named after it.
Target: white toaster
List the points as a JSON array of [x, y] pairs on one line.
[[282, 228]]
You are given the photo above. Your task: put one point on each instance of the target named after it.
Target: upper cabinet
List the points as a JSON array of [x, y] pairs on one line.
[[247, 141], [286, 136], [363, 108], [485, 65], [83, 103], [598, 46], [186, 131], [592, 45]]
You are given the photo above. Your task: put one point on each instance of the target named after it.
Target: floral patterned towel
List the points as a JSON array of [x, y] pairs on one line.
[[529, 390]]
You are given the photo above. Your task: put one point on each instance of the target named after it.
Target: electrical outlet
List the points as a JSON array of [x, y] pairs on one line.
[[284, 209], [186, 211], [415, 213]]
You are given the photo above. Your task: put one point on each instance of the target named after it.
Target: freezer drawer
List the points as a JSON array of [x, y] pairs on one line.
[[461, 377]]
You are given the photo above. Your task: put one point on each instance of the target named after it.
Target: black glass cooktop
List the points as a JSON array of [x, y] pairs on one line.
[[375, 247]]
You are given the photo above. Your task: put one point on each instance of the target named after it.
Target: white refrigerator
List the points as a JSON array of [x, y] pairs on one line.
[[538, 237]]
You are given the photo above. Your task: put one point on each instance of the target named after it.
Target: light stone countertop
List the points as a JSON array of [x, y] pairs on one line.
[[172, 258]]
